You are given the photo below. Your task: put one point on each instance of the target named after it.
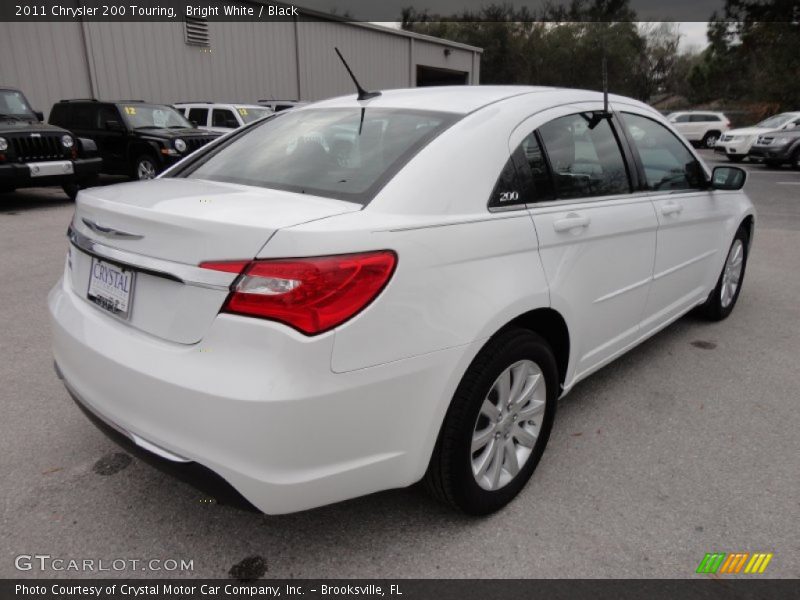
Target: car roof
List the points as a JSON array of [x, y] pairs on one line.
[[212, 104], [469, 98]]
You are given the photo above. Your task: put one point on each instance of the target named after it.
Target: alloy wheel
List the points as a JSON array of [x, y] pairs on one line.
[[145, 170], [732, 274], [508, 425]]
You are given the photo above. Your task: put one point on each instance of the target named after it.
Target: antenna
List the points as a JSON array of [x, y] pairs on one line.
[[362, 93], [599, 116], [605, 82]]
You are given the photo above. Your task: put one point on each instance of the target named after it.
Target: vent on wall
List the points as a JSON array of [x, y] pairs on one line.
[[196, 31]]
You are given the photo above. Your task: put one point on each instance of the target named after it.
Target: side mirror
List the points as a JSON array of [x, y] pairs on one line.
[[790, 126], [114, 126], [728, 178], [194, 123], [39, 115]]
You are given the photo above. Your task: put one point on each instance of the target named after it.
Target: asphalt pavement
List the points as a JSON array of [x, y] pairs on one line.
[[686, 445]]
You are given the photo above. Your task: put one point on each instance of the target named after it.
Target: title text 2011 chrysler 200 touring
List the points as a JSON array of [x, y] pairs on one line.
[[360, 294]]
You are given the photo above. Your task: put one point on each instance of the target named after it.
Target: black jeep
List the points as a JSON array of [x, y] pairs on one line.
[[133, 137], [34, 154]]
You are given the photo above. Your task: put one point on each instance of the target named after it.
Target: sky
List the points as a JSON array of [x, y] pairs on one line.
[[693, 36]]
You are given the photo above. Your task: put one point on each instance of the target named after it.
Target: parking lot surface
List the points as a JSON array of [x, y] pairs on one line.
[[686, 445]]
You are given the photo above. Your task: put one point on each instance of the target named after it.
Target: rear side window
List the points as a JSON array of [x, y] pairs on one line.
[[84, 116], [668, 164], [222, 117], [198, 115], [344, 153], [60, 115], [682, 119], [585, 161]]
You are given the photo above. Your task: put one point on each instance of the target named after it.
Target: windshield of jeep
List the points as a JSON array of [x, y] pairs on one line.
[[151, 116], [14, 104]]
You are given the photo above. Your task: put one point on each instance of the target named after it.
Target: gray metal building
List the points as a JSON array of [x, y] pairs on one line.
[[221, 61]]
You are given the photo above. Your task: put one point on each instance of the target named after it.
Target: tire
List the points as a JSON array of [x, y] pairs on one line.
[[710, 139], [772, 164], [145, 167], [795, 160], [735, 159], [71, 190], [721, 301], [519, 355]]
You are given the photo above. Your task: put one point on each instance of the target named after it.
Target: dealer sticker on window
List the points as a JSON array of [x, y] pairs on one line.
[[111, 287]]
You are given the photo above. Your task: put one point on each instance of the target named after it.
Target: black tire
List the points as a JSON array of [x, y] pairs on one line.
[[795, 160], [144, 163], [71, 190], [772, 164], [714, 309], [7, 190], [735, 159], [710, 139], [450, 477]]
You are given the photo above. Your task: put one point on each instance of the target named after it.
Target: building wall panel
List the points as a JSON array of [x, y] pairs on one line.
[[380, 61], [45, 60]]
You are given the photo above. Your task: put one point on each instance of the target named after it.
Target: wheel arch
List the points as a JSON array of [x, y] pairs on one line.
[[551, 325], [748, 224]]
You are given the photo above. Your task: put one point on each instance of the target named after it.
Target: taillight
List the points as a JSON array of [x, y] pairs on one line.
[[310, 294]]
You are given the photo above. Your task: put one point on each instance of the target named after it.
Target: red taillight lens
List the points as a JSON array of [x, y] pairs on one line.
[[310, 294]]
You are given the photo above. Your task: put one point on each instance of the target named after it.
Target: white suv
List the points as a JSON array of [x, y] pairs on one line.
[[222, 118], [736, 143], [361, 294], [700, 127]]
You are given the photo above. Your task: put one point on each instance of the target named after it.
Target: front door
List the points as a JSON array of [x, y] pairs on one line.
[[691, 243]]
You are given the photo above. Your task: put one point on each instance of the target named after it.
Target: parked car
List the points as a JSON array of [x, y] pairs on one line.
[[736, 143], [777, 148], [279, 105], [700, 127], [314, 326], [34, 154], [134, 138], [221, 118]]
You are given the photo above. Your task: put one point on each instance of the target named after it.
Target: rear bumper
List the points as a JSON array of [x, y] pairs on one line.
[[258, 404], [18, 175]]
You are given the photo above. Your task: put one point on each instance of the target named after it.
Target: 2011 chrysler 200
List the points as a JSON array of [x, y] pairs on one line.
[[357, 295]]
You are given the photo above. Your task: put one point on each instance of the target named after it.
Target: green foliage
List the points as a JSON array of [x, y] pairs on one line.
[[752, 54]]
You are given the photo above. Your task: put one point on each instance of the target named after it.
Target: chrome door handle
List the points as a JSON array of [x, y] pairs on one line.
[[671, 208], [571, 221]]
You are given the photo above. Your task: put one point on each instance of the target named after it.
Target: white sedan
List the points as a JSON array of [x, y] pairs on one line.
[[356, 295]]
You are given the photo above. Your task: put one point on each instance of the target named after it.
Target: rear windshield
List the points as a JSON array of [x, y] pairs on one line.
[[343, 153]]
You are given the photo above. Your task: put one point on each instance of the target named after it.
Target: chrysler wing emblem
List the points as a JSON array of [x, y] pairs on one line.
[[110, 231]]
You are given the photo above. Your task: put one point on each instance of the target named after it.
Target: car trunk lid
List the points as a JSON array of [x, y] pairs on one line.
[[162, 230]]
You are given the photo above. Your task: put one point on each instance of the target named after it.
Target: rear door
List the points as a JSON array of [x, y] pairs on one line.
[[691, 219], [596, 236]]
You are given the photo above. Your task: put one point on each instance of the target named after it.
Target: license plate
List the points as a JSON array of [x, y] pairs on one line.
[[111, 287], [53, 167]]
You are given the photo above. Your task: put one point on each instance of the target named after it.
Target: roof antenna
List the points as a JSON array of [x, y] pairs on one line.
[[605, 83], [599, 116], [362, 93]]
